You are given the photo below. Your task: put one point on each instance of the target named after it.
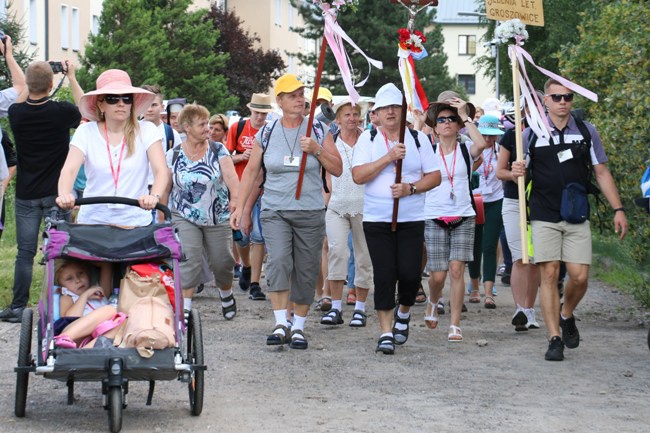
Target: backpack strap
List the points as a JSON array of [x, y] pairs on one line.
[[177, 150], [169, 136], [266, 136], [240, 129]]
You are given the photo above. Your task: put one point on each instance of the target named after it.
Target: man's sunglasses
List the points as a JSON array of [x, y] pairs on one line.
[[114, 99], [448, 119], [568, 97]]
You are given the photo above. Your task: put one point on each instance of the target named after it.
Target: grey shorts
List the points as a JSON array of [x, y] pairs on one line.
[[294, 242], [445, 245]]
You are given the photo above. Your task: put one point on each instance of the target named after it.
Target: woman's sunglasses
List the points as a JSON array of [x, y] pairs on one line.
[[448, 119], [568, 97], [114, 99]]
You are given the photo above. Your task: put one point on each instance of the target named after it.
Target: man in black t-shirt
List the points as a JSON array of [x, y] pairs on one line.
[[567, 157], [41, 130]]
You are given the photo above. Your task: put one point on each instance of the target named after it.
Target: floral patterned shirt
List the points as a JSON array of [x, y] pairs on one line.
[[199, 193]]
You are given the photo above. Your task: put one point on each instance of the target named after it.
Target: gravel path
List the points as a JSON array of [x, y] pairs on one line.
[[340, 384]]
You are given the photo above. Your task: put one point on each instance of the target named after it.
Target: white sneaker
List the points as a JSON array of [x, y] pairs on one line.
[[530, 314]]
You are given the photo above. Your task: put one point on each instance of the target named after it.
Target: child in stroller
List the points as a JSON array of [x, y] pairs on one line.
[[85, 313]]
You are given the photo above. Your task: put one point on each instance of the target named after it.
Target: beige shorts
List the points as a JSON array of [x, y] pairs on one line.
[[570, 243]]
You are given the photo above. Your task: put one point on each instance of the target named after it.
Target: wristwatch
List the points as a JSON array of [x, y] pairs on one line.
[[413, 188], [619, 209], [318, 152], [469, 119]]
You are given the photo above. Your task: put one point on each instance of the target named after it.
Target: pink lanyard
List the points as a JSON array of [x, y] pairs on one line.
[[487, 168], [114, 175], [450, 176], [387, 146]]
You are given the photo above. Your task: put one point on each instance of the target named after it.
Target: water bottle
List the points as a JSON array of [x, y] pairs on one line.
[[113, 300]]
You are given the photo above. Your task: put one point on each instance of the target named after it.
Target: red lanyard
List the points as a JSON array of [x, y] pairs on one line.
[[115, 175], [387, 145], [487, 168], [453, 168]]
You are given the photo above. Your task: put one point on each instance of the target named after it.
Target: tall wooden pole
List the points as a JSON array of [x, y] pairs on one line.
[[312, 111], [521, 187], [398, 165]]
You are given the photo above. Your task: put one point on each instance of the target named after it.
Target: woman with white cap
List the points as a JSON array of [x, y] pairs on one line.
[[487, 234], [396, 256], [293, 229], [115, 150]]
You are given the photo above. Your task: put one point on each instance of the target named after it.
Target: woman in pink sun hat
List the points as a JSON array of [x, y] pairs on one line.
[[115, 150]]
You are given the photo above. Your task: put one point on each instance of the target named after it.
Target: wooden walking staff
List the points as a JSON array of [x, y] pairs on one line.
[[312, 111], [521, 187], [412, 7], [398, 165]]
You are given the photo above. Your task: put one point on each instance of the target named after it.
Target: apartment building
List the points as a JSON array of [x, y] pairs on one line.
[[463, 45], [55, 29]]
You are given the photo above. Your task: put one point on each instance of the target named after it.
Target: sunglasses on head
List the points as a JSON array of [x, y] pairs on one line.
[[568, 97], [447, 119], [114, 99]]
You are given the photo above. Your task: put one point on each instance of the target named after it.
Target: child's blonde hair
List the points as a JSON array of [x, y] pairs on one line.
[[62, 264]]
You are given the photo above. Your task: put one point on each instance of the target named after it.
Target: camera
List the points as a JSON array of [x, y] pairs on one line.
[[3, 38], [57, 67]]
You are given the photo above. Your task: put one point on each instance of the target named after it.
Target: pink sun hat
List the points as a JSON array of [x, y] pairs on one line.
[[114, 82]]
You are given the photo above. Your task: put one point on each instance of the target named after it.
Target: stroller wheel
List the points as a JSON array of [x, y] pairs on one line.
[[24, 360], [115, 409], [195, 356]]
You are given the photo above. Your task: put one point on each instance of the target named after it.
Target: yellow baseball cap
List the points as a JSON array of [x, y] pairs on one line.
[[325, 94], [287, 84]]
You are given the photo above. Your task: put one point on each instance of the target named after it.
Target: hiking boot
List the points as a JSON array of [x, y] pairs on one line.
[[12, 315], [555, 350], [256, 293], [570, 334], [245, 278]]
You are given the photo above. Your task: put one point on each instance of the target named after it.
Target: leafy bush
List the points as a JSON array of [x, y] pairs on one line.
[[612, 58]]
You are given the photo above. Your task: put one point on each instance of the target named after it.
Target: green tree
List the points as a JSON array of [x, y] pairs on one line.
[[248, 70], [612, 58], [561, 20], [159, 42], [12, 27], [373, 27]]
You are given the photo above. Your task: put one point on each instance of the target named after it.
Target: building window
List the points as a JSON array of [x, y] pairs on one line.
[[278, 12], [65, 28], [468, 82], [75, 29], [95, 25], [467, 45], [33, 22]]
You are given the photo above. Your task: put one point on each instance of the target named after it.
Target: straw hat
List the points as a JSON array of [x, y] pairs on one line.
[[114, 82], [260, 103]]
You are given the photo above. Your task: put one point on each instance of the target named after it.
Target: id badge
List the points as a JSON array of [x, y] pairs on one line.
[[291, 161], [486, 189], [565, 155]]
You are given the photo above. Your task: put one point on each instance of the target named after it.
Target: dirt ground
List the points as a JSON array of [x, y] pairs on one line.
[[340, 384]]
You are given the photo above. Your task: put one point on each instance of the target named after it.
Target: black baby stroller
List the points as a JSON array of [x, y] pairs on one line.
[[112, 366]]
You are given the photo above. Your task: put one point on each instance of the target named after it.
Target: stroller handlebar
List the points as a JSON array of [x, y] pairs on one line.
[[121, 200]]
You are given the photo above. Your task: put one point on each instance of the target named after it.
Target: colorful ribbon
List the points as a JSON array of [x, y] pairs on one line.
[[538, 122], [335, 36], [416, 98]]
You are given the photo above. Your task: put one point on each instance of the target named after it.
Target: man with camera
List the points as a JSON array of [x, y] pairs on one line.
[[41, 128]]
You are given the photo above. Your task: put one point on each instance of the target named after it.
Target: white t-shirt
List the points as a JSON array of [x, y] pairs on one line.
[[491, 188], [163, 145], [132, 180], [439, 202], [378, 201]]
